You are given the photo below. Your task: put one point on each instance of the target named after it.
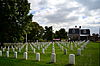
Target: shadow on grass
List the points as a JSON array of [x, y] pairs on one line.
[[50, 63], [18, 59], [69, 65]]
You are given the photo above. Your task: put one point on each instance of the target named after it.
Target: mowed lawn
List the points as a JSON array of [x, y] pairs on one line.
[[90, 57]]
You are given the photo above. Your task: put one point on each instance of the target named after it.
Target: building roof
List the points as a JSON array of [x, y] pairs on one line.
[[74, 28], [83, 35]]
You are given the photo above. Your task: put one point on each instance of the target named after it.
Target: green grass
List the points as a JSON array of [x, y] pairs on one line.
[[90, 57]]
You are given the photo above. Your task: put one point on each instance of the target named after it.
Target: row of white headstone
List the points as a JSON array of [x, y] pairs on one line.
[[26, 48], [82, 47], [75, 44], [53, 57], [53, 54], [61, 47], [19, 48], [25, 55], [43, 50], [41, 45]]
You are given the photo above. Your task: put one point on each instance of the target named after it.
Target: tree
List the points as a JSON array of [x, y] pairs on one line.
[[62, 34], [36, 32], [95, 37], [57, 35], [14, 20], [48, 33]]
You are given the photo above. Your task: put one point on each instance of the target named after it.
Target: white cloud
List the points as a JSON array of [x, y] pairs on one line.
[[67, 13]]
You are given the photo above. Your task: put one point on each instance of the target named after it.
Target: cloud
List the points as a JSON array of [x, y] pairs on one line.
[[90, 4], [66, 13]]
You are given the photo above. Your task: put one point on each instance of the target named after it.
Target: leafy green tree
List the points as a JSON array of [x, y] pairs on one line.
[[36, 32], [14, 20], [62, 34], [95, 37], [57, 35], [48, 33]]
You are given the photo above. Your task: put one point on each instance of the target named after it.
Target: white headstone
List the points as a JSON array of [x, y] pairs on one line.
[[41, 46], [38, 56], [53, 44], [16, 47], [53, 50], [37, 41], [0, 53], [8, 48], [19, 49], [76, 45], [15, 54], [13, 49], [71, 47], [65, 51], [7, 53], [3, 49], [38, 47], [78, 51], [62, 48], [43, 51], [25, 55], [53, 58], [82, 48], [71, 59], [68, 45], [33, 50]]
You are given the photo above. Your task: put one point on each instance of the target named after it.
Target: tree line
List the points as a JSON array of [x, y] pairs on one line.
[[39, 33]]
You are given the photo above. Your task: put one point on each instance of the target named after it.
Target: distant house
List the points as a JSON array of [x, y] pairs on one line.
[[78, 33]]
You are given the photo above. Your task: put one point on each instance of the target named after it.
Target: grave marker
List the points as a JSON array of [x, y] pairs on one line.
[[0, 53], [71, 59], [33, 50], [13, 49], [53, 50], [62, 48], [38, 56], [8, 48], [19, 49], [15, 54], [43, 51], [78, 51], [7, 53], [3, 49], [53, 58], [25, 55], [65, 51]]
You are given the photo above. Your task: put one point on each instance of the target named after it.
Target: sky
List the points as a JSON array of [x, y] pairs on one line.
[[67, 13]]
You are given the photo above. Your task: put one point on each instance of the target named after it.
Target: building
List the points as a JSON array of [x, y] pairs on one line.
[[78, 33]]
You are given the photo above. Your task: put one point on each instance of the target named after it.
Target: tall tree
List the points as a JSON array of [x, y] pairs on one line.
[[36, 32], [62, 34], [57, 35], [14, 20], [48, 33]]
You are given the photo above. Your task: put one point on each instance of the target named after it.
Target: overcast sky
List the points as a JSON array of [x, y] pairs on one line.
[[67, 13]]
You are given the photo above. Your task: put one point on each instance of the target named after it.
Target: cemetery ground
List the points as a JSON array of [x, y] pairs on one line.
[[89, 56]]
